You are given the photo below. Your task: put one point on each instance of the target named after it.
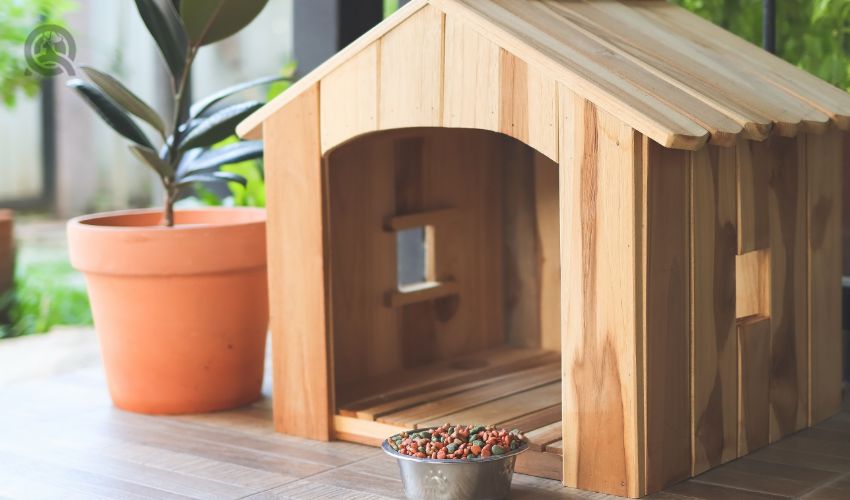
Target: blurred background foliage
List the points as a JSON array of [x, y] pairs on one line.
[[17, 19], [811, 34]]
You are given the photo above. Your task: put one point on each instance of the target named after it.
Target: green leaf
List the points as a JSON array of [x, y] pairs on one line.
[[199, 107], [163, 23], [110, 112], [208, 21], [212, 177], [149, 156], [218, 126], [232, 153], [124, 97]]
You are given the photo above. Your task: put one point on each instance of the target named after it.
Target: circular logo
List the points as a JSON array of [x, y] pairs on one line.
[[50, 50]]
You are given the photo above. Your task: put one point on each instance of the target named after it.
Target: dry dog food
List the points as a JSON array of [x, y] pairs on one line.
[[460, 442]]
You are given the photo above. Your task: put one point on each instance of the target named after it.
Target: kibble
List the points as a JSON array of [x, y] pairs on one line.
[[457, 442]]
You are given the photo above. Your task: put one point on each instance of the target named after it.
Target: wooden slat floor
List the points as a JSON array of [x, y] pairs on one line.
[[61, 438]]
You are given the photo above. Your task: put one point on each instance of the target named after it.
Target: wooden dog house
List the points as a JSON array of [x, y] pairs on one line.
[[629, 228]]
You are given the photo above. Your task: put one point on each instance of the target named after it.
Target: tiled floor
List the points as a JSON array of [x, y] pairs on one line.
[[61, 438]]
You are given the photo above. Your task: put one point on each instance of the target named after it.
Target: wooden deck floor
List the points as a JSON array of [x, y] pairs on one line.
[[61, 438]]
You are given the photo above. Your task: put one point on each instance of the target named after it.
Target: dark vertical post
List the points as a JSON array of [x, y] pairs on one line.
[[768, 26], [323, 27], [48, 142]]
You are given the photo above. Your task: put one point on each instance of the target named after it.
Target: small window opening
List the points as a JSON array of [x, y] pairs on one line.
[[415, 257]]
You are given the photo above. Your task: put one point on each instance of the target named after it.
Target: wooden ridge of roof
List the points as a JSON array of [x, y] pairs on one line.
[[667, 73]]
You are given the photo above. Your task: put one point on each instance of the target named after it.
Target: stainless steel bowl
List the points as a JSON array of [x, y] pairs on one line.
[[433, 479]]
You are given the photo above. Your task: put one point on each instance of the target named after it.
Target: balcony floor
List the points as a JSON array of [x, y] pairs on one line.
[[61, 438]]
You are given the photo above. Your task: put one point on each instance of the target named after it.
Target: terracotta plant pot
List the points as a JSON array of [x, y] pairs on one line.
[[181, 313]]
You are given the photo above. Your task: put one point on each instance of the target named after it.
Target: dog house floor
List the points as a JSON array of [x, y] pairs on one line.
[[508, 387]]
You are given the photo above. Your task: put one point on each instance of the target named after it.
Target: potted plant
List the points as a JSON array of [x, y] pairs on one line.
[[179, 298]]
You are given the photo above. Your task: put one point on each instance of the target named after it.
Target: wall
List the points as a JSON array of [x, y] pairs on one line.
[[94, 169]]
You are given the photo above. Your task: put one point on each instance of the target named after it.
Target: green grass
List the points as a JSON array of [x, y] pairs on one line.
[[46, 294]]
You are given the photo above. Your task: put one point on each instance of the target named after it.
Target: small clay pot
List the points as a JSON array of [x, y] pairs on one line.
[[181, 313]]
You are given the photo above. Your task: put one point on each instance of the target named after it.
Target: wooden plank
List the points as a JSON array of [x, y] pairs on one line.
[[360, 187], [347, 427], [789, 397], [471, 78], [251, 127], [600, 280], [539, 438], [714, 351], [753, 180], [582, 72], [531, 264], [752, 284], [302, 403], [666, 234], [421, 292], [729, 89], [529, 104], [462, 170], [750, 60], [557, 447], [341, 116], [753, 384], [416, 320], [511, 406], [506, 386], [534, 463], [534, 420], [411, 78], [549, 252], [481, 364], [824, 201], [420, 397]]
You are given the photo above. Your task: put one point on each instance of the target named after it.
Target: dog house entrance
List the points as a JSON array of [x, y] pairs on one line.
[[445, 287]]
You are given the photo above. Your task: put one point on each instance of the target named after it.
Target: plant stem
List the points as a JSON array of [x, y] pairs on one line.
[[169, 207], [172, 156]]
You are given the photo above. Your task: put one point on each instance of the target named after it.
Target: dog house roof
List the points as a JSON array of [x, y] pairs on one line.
[[664, 71]]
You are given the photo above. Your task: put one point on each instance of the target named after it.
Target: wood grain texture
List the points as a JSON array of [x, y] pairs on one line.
[[508, 407], [341, 116], [666, 204], [714, 354], [361, 194], [753, 383], [547, 212], [437, 407], [411, 74], [528, 104], [788, 284], [750, 60], [541, 40], [404, 179], [664, 71], [753, 180], [600, 279], [531, 264], [296, 261], [89, 450], [678, 58], [471, 78], [824, 200], [752, 284]]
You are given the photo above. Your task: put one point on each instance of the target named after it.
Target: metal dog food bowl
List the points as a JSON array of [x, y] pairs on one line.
[[486, 478]]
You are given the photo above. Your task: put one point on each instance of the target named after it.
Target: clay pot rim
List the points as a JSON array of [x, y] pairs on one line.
[[210, 240], [88, 222]]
